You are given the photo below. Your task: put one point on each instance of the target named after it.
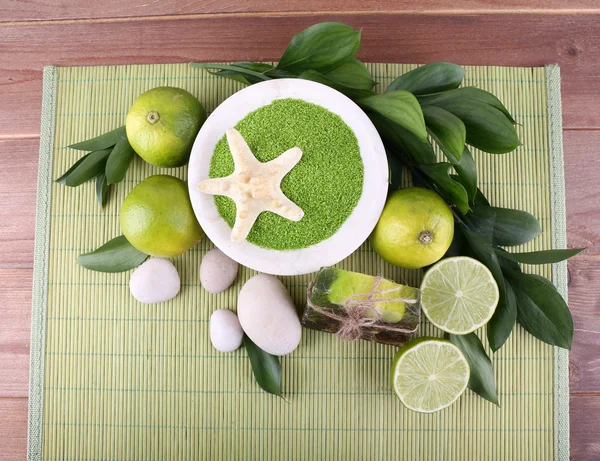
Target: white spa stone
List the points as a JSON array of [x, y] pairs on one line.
[[155, 281], [226, 333], [268, 315], [217, 271]]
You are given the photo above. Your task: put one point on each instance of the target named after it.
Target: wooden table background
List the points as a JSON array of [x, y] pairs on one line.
[[35, 33]]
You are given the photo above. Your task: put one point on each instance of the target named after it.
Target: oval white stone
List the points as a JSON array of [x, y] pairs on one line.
[[217, 271], [226, 333], [155, 281], [268, 315]]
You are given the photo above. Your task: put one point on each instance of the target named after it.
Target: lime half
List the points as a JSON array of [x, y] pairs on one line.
[[429, 374], [459, 295]]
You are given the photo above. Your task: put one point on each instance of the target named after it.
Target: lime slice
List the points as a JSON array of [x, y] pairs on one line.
[[459, 295], [429, 374]]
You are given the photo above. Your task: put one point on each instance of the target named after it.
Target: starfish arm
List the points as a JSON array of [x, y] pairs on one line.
[[283, 164], [284, 207], [244, 221], [241, 153], [216, 186]]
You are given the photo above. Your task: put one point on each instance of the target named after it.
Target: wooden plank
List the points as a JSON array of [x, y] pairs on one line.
[[507, 39], [18, 177], [585, 430], [16, 10], [13, 429], [15, 299]]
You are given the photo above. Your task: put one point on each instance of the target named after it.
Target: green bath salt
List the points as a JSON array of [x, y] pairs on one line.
[[326, 183]]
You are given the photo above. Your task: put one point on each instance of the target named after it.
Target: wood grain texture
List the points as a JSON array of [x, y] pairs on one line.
[[510, 39], [18, 178], [585, 430], [16, 10], [13, 429]]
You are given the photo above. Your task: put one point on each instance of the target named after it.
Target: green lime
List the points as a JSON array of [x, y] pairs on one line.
[[162, 125], [157, 217], [415, 229], [459, 295], [429, 374]]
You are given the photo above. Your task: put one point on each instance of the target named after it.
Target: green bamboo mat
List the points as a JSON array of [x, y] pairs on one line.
[[112, 379]]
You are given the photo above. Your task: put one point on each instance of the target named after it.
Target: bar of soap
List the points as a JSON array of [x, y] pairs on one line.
[[334, 291]]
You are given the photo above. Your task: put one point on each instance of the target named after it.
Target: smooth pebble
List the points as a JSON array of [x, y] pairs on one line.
[[217, 271], [155, 281], [226, 333], [268, 315]]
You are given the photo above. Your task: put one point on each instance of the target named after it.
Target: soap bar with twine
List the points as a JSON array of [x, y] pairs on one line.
[[358, 306]]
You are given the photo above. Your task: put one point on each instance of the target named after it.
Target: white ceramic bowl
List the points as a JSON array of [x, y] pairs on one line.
[[351, 234]]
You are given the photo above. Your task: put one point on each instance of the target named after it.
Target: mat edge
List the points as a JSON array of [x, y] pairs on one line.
[[40, 267], [559, 270]]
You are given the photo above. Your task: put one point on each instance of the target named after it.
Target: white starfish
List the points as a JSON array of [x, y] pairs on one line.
[[254, 186]]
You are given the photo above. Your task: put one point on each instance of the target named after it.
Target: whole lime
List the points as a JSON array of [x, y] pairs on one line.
[[162, 125], [415, 229], [157, 217]]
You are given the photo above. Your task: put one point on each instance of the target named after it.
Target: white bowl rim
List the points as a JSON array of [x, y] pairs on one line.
[[353, 232]]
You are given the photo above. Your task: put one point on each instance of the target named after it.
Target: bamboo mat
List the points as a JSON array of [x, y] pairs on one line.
[[112, 379]]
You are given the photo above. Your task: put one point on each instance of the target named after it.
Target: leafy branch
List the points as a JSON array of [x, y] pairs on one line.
[[420, 110]]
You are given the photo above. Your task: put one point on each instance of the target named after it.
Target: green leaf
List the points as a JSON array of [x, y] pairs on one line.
[[318, 77], [503, 321], [480, 199], [353, 74], [245, 77], [468, 92], [86, 168], [322, 47], [467, 173], [488, 128], [542, 311], [541, 257], [116, 255], [504, 226], [395, 168], [430, 78], [266, 367], [403, 140], [249, 71], [118, 161], [447, 130], [481, 380], [104, 141], [400, 107], [101, 189], [453, 191]]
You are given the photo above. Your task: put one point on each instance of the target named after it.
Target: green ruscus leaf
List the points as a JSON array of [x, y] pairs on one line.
[[118, 161], [467, 174], [452, 191], [266, 367], [101, 189], [542, 311], [468, 92], [245, 72], [352, 74], [318, 77], [481, 380], [504, 226], [487, 127], [541, 257], [104, 141], [503, 321], [86, 168], [322, 47], [400, 107], [116, 255], [447, 130], [430, 78]]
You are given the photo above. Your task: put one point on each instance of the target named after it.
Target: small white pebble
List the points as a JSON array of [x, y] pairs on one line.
[[226, 333], [217, 271], [155, 281]]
